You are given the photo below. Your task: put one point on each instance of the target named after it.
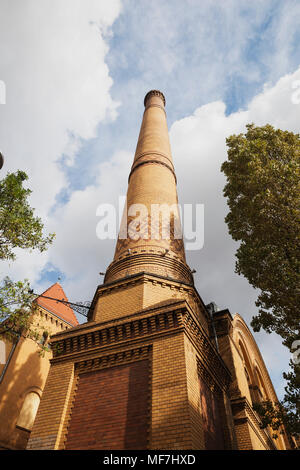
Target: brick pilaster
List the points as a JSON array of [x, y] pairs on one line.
[[48, 425]]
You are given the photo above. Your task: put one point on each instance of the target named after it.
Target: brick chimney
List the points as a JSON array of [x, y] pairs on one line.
[[150, 238]]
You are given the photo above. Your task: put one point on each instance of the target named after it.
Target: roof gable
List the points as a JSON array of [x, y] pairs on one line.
[[65, 312]]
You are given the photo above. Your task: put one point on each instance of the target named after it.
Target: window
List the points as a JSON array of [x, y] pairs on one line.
[[28, 411], [260, 385], [2, 352], [44, 338]]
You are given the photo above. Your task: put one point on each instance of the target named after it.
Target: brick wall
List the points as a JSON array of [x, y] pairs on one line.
[[141, 293], [243, 435], [194, 395], [171, 423], [48, 425], [213, 425], [111, 409]]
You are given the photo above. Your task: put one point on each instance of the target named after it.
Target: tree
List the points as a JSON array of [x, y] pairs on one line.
[[16, 306], [285, 413], [18, 225], [19, 228], [263, 195]]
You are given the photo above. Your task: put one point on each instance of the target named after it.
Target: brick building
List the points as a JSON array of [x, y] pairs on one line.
[[24, 370], [153, 367]]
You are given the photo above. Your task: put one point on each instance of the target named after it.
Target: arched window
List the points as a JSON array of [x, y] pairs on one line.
[[260, 384], [44, 338], [247, 376], [248, 371], [28, 411]]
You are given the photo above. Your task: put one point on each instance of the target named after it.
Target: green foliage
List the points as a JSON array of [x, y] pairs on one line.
[[271, 415], [16, 310], [287, 412], [18, 225], [263, 195], [19, 228], [57, 349], [15, 306], [292, 397]]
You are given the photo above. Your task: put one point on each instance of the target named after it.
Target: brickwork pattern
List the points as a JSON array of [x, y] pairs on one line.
[[175, 420], [129, 296], [171, 426], [111, 409], [243, 435], [48, 425], [211, 410], [231, 333], [152, 180], [26, 372], [193, 390], [147, 303]]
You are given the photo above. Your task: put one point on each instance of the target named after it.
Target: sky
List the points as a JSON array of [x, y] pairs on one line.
[[76, 73]]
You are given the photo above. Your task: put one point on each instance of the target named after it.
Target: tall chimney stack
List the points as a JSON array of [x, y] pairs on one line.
[[150, 238]]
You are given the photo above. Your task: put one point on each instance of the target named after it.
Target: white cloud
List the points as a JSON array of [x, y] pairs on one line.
[[203, 51], [77, 251], [57, 85], [58, 90], [198, 145]]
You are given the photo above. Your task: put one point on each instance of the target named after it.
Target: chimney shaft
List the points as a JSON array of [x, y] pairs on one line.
[[150, 238]]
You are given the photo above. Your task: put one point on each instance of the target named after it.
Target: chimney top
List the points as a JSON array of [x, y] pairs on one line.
[[154, 93]]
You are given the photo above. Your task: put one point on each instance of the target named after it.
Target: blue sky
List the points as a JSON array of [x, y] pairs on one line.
[[75, 87], [196, 52]]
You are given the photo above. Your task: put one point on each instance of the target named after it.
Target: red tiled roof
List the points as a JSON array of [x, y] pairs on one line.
[[61, 310]]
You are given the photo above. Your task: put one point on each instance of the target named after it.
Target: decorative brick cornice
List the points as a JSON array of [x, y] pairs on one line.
[[208, 355], [155, 105], [105, 361], [113, 359], [154, 93], [243, 412], [153, 152], [43, 312], [92, 326], [116, 335], [223, 325], [143, 278], [137, 263], [157, 162], [205, 375], [164, 320]]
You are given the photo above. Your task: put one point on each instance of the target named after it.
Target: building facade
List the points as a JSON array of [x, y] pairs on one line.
[[24, 368], [153, 367]]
